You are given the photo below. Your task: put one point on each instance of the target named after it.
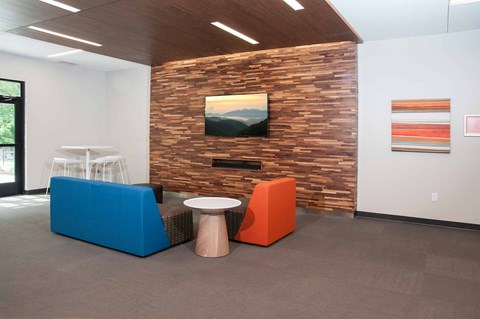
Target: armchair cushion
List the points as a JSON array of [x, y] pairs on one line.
[[270, 214]]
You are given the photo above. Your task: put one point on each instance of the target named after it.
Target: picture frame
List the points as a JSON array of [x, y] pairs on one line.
[[471, 125], [421, 125]]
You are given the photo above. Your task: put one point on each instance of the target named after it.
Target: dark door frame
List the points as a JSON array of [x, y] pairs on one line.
[[18, 187]]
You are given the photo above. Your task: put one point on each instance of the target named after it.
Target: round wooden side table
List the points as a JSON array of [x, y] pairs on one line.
[[212, 238]]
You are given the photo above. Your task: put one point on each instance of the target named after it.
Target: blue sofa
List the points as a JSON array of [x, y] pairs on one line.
[[118, 216]]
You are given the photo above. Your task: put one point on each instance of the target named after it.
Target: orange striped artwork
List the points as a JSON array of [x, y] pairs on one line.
[[421, 106], [421, 126]]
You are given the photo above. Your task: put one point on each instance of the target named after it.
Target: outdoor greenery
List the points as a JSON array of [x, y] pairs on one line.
[[7, 131], [9, 88], [7, 123], [7, 126], [7, 112]]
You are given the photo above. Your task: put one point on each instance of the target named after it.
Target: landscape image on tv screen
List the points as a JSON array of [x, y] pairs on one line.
[[236, 115]]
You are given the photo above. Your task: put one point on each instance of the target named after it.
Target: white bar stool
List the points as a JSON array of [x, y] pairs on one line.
[[66, 163], [109, 163]]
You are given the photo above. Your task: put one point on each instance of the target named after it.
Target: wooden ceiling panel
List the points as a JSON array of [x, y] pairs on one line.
[[267, 21], [86, 4], [137, 42], [15, 13], [129, 46], [152, 32], [19, 13], [175, 33]]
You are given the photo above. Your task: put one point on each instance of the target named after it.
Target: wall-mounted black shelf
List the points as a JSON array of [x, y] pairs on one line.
[[237, 164]]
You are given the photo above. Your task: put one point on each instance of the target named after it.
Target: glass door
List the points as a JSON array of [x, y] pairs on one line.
[[11, 137]]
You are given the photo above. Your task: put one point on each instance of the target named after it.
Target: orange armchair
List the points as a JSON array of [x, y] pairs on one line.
[[270, 214]]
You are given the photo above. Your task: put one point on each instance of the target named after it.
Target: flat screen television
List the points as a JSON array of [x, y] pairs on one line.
[[244, 115]]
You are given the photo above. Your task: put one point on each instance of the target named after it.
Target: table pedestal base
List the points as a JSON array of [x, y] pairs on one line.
[[212, 238]]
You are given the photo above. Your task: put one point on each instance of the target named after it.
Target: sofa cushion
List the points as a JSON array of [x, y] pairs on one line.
[[234, 218], [178, 222], [118, 216]]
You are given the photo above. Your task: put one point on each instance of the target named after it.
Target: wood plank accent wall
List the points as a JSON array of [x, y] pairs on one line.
[[312, 93]]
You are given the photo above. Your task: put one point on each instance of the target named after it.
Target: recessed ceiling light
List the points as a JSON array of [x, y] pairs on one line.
[[64, 36], [64, 53], [455, 2], [294, 4], [234, 32], [61, 5]]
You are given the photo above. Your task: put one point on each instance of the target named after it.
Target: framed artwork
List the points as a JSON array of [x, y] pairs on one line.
[[471, 125], [421, 126]]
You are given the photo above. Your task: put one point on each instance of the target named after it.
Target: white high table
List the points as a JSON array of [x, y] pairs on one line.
[[212, 238], [87, 149]]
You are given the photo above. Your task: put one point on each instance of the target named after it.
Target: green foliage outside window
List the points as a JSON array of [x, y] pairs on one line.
[[7, 127], [7, 111], [7, 124], [8, 88]]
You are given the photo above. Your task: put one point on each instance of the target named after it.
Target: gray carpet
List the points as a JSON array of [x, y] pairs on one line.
[[331, 267]]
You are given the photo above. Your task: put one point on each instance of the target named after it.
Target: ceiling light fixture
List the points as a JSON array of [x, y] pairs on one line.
[[294, 4], [61, 5], [64, 36], [64, 53], [455, 2], [234, 32]]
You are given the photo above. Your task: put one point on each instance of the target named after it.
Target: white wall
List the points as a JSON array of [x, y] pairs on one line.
[[128, 118], [64, 105], [68, 105], [401, 183]]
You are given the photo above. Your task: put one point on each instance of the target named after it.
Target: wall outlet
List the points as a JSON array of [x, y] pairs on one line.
[[434, 197]]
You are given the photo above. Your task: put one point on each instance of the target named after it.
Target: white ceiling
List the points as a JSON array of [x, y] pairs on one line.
[[372, 19], [464, 17], [390, 19]]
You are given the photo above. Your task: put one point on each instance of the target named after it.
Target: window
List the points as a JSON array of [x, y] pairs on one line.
[[12, 89]]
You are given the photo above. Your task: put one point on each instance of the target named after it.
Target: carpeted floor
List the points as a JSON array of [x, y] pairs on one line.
[[331, 267]]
